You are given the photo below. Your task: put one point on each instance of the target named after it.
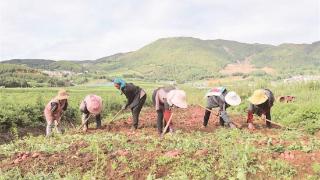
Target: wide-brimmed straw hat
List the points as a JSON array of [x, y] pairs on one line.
[[62, 94], [177, 98], [94, 104], [232, 98], [259, 96]]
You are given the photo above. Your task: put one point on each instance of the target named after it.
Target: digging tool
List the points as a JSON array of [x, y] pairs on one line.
[[301, 130], [168, 123], [71, 123], [90, 115], [67, 120], [115, 116], [267, 120], [85, 121], [217, 114]]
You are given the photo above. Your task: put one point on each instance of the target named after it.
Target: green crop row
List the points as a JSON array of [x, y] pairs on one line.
[[23, 107]]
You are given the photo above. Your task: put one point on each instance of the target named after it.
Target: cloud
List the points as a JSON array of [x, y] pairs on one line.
[[83, 29]]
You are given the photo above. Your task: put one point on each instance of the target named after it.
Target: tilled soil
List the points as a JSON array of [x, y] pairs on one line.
[[184, 120], [6, 137]]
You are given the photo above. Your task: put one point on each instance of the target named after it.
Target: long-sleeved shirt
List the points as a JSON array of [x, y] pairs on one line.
[[219, 101], [133, 94], [159, 98], [54, 109], [263, 108]]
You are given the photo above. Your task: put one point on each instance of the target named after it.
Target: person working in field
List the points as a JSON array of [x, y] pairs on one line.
[[91, 106], [220, 97], [164, 99], [260, 104], [136, 97], [53, 111]]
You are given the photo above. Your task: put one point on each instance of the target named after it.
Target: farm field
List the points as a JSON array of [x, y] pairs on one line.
[[159, 90], [191, 152]]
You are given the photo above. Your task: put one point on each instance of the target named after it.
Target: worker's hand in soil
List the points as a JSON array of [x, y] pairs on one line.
[[251, 126], [167, 114]]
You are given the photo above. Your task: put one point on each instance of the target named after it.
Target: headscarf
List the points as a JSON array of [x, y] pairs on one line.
[[120, 81]]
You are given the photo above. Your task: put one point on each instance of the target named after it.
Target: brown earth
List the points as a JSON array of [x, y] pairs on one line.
[[185, 120], [6, 137]]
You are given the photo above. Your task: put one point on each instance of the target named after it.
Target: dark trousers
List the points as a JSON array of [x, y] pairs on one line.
[[86, 114], [160, 123], [267, 113], [136, 111], [268, 116], [98, 120], [207, 116]]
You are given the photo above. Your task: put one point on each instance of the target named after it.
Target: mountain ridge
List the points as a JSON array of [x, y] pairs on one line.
[[190, 58]]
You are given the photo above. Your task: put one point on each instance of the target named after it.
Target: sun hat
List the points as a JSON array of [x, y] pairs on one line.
[[259, 96], [232, 98], [62, 94], [177, 98], [216, 91], [94, 104]]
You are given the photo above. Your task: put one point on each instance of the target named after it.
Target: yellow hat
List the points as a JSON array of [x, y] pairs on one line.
[[62, 94], [259, 96]]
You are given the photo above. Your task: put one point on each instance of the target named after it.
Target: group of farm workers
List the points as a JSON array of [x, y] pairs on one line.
[[165, 99]]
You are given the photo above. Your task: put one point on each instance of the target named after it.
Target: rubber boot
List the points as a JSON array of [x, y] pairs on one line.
[[221, 122], [98, 121], [49, 129], [58, 126], [85, 126]]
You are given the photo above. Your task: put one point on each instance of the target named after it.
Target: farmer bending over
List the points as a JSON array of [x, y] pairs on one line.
[[91, 105], [164, 99], [220, 97], [136, 97], [54, 109], [260, 104]]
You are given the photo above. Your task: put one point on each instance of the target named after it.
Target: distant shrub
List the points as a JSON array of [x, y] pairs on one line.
[[237, 74], [258, 73]]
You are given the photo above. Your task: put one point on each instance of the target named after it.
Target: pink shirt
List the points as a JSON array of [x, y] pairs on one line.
[[93, 104], [56, 115]]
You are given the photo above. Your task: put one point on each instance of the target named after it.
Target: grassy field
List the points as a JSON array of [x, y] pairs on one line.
[[115, 152], [24, 107]]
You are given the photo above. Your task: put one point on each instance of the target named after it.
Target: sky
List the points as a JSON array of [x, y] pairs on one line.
[[91, 29]]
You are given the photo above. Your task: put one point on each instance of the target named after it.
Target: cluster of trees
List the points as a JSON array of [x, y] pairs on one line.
[[13, 82], [12, 75], [58, 83]]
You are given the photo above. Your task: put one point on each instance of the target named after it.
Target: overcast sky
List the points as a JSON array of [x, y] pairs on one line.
[[90, 29]]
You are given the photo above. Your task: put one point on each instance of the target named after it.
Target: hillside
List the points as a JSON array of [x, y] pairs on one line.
[[75, 66], [293, 57], [13, 75], [187, 58], [180, 58]]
